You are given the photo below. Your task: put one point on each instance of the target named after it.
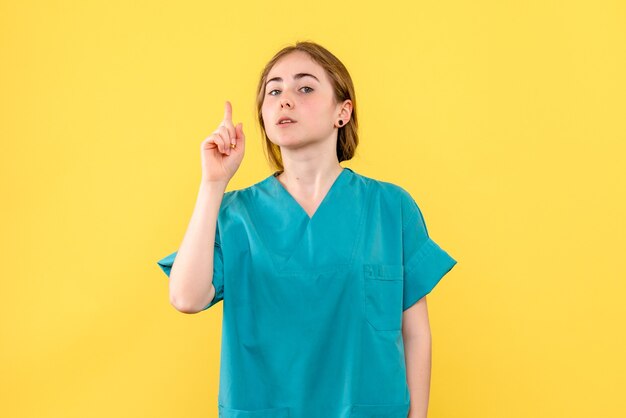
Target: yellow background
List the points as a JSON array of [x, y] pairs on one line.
[[503, 119]]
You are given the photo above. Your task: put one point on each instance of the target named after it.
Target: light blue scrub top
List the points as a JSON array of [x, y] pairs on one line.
[[312, 312]]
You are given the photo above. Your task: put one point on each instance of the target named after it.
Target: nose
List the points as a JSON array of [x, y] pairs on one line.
[[285, 103]]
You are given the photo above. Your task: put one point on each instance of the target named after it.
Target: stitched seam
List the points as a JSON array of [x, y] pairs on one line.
[[419, 255]]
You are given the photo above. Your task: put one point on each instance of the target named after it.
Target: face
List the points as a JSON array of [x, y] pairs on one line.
[[306, 99]]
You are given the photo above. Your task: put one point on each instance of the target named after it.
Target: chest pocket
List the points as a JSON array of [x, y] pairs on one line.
[[383, 295], [281, 412]]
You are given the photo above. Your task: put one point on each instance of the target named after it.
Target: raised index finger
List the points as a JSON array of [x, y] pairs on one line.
[[228, 112]]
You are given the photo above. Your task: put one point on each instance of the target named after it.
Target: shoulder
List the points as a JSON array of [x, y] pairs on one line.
[[228, 199], [395, 195], [239, 199], [388, 190]]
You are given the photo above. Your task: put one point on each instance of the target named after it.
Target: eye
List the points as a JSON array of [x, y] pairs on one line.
[[305, 87]]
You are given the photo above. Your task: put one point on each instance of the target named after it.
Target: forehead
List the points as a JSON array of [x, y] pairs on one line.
[[294, 63]]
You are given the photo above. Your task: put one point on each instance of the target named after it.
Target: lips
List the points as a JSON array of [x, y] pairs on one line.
[[285, 118]]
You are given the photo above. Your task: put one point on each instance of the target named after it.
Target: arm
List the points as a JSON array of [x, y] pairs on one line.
[[191, 279], [417, 352]]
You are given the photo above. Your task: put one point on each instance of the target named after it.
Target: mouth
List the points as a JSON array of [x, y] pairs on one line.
[[285, 121]]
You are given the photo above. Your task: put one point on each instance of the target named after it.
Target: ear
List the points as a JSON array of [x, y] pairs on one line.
[[346, 110]]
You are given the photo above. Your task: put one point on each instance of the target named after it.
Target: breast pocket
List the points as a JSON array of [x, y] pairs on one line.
[[380, 411], [282, 412], [383, 295]]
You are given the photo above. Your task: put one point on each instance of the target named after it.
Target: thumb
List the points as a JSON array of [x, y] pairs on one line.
[[239, 130]]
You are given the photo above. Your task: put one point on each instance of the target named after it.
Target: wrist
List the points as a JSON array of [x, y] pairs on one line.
[[213, 186], [214, 183]]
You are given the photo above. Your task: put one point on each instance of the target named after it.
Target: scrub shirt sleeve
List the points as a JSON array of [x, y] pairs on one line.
[[218, 269], [425, 262]]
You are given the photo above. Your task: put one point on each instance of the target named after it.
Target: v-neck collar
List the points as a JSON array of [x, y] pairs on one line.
[[338, 181], [299, 245]]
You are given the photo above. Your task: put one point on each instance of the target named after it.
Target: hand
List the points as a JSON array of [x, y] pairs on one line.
[[219, 160]]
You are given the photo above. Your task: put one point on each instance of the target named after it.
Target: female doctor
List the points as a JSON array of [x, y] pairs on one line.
[[323, 271]]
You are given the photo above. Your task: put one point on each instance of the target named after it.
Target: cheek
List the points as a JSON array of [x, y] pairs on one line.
[[308, 107], [265, 113]]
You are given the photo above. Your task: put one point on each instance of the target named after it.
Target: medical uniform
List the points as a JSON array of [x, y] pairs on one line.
[[312, 311]]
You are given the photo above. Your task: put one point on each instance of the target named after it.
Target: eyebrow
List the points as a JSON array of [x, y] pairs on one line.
[[295, 77]]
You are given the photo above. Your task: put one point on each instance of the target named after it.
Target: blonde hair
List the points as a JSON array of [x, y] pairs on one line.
[[347, 137]]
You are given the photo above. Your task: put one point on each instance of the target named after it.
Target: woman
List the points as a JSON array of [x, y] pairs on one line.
[[323, 271]]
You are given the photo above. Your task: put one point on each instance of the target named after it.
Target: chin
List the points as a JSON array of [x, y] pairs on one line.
[[284, 138], [288, 142]]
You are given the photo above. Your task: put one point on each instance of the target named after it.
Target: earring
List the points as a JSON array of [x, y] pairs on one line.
[[340, 122]]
